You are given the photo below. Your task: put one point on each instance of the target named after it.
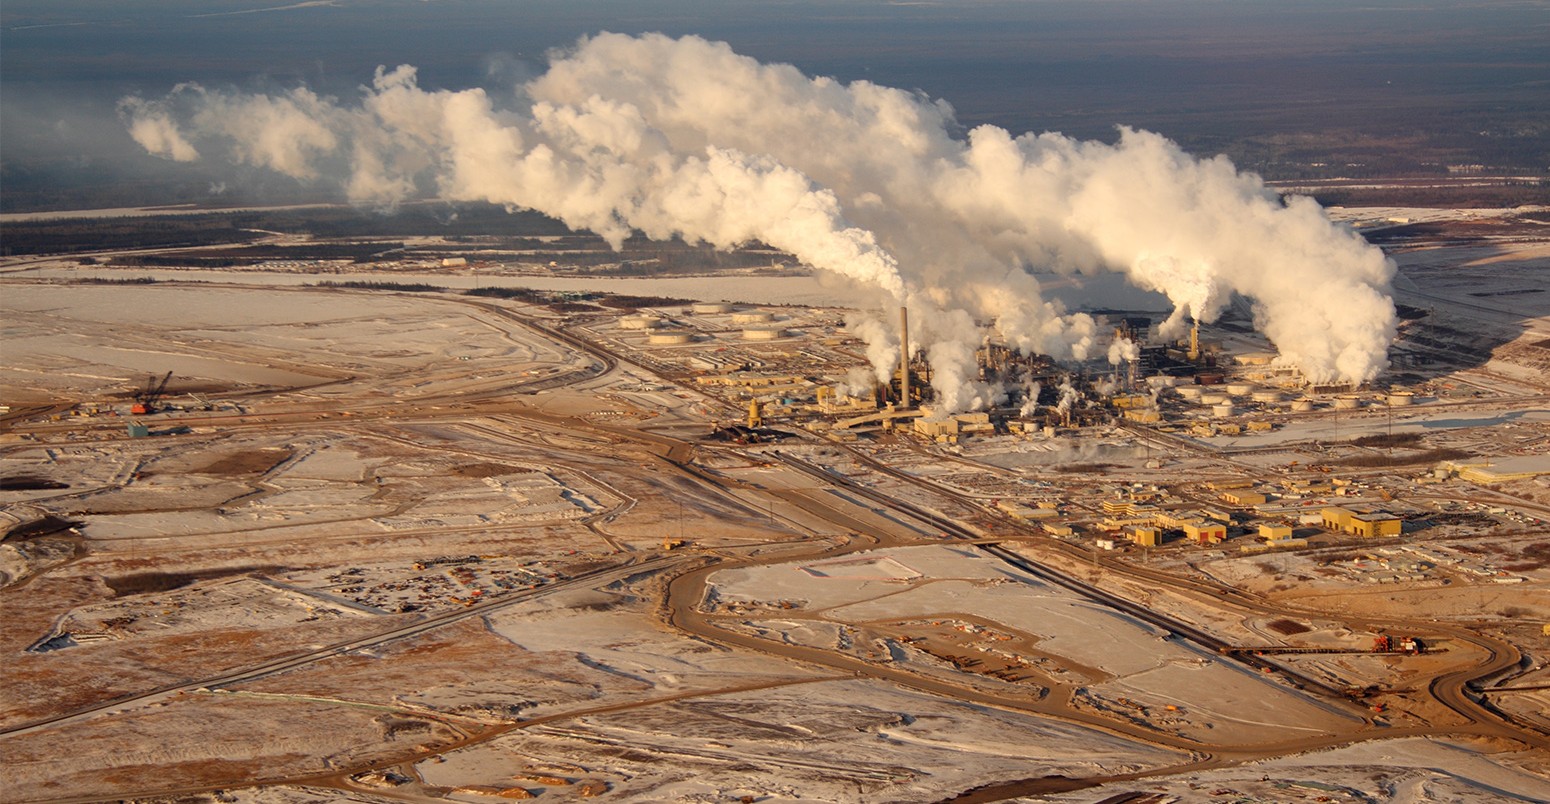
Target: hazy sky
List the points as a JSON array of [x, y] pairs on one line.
[[1207, 72]]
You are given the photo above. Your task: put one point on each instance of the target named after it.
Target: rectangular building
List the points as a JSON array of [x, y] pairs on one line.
[[1367, 524], [1241, 497], [1274, 532], [1205, 532], [1144, 536]]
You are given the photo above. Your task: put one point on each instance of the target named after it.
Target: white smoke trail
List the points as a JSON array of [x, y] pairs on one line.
[[685, 137]]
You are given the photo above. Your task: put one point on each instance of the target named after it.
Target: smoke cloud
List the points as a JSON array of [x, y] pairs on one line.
[[683, 137]]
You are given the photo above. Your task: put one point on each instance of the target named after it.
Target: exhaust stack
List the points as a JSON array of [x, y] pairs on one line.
[[904, 356]]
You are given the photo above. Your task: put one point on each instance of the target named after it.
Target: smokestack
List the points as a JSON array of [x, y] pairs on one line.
[[904, 354]]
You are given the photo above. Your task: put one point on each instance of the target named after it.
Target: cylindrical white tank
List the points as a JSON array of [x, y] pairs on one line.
[[753, 317], [1401, 398], [1191, 391], [1213, 399], [639, 322], [1348, 402], [1239, 388], [762, 333], [671, 338], [1267, 397], [1222, 411], [1302, 405], [711, 308]]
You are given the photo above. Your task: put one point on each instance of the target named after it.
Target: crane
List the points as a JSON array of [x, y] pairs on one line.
[[147, 397]]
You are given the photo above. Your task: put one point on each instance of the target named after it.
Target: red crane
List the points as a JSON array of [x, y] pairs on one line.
[[147, 397]]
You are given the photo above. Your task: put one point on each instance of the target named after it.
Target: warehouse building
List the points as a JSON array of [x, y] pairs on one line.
[[1367, 524]]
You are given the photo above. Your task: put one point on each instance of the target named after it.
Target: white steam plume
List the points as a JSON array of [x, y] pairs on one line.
[[684, 137], [1030, 400], [1122, 350], [153, 130], [1067, 400]]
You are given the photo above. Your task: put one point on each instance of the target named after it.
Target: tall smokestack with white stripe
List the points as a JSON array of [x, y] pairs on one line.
[[904, 355]]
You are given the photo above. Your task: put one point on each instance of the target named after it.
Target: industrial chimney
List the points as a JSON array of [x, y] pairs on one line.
[[904, 356]]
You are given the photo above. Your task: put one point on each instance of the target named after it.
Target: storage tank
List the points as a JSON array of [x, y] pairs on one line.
[[711, 308], [1239, 388], [1266, 396], [1348, 402], [1191, 391], [670, 338], [639, 322], [1401, 398], [762, 333], [1222, 411], [1213, 399], [1302, 405], [753, 317]]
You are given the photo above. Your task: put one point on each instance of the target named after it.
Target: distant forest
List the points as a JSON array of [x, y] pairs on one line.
[[475, 231]]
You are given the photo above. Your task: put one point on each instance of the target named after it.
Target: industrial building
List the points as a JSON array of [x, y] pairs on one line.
[[1500, 470], [1274, 532], [1243, 498], [1203, 531], [1360, 523], [1144, 536]]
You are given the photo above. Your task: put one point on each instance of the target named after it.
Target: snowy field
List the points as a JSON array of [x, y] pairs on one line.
[[1112, 656]]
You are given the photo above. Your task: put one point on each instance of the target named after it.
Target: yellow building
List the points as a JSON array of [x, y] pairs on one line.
[[1374, 525], [1241, 497], [1119, 507], [1204, 532], [1275, 533], [1111, 523], [1365, 524], [1144, 536], [1027, 513]]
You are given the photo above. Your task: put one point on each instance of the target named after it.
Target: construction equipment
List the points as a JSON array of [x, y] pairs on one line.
[[147, 397], [1383, 643]]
